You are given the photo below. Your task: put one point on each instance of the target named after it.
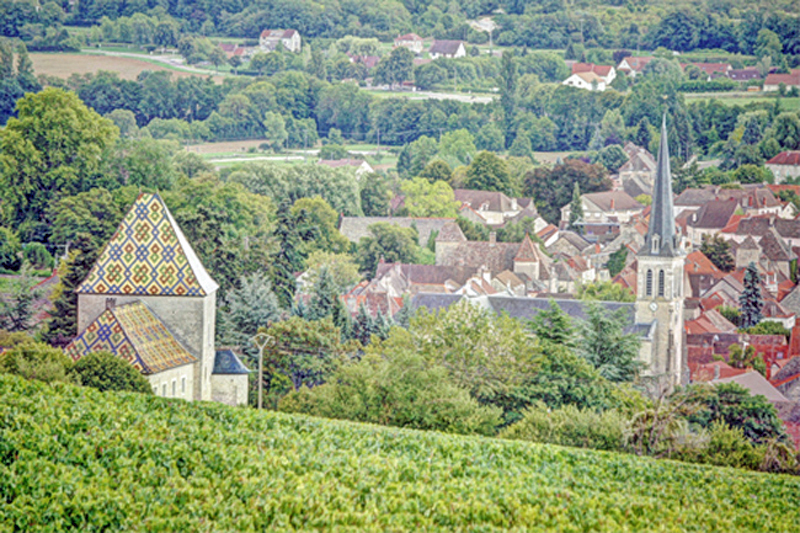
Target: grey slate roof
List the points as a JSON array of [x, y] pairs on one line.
[[662, 217], [613, 201], [526, 308], [226, 362], [714, 215], [493, 201], [443, 47], [354, 228]]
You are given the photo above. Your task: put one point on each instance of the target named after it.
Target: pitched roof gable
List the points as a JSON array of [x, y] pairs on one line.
[[132, 332], [527, 251], [715, 214], [789, 157], [149, 256], [613, 200], [445, 47]]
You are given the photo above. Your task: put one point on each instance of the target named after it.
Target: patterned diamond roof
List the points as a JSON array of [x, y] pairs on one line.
[[148, 255], [132, 332]]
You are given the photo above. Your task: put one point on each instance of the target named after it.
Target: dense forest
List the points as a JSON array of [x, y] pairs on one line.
[[731, 25]]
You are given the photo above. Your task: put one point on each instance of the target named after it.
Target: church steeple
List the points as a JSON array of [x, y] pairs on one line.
[[661, 238]]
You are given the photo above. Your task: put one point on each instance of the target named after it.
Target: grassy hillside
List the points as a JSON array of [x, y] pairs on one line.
[[73, 458]]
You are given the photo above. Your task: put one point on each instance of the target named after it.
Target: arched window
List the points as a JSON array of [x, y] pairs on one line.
[[661, 283], [649, 284]]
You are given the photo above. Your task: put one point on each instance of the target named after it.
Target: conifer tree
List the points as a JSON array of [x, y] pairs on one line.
[[288, 260], [403, 317], [750, 301], [576, 209], [383, 324], [325, 302], [62, 325], [363, 326], [642, 136], [553, 326]]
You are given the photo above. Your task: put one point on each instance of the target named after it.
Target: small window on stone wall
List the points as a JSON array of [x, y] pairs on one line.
[[164, 389], [183, 384], [174, 387]]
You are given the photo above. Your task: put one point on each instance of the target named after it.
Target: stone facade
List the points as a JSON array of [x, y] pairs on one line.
[[176, 382], [191, 320], [230, 389], [660, 294]]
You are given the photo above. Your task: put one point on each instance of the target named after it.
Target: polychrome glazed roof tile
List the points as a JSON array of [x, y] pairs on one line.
[[132, 332], [148, 255]]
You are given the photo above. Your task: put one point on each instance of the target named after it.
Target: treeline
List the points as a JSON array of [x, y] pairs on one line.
[[684, 26], [295, 108]]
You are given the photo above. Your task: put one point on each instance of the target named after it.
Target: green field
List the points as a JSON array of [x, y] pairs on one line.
[[75, 459], [742, 99]]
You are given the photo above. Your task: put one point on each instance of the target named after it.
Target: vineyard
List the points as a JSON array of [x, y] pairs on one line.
[[75, 459]]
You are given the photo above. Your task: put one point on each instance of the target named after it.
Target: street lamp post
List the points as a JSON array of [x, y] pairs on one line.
[[261, 340]]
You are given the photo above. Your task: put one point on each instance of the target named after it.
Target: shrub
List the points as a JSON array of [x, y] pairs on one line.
[[105, 371], [9, 250], [570, 426], [37, 255], [725, 446], [400, 391], [36, 360]]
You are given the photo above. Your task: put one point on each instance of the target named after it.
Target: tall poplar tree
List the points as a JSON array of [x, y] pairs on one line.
[[576, 209]]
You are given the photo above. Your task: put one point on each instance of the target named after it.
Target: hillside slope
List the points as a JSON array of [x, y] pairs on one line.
[[73, 458]]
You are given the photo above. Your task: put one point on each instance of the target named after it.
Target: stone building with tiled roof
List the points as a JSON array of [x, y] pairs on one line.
[[149, 300], [785, 165], [525, 259]]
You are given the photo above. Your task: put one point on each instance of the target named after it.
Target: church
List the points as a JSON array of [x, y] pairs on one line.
[[656, 316], [149, 300], [660, 294]]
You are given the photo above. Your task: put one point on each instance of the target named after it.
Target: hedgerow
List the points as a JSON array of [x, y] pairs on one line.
[[73, 458]]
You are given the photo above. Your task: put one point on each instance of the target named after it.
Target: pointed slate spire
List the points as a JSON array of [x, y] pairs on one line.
[[661, 238]]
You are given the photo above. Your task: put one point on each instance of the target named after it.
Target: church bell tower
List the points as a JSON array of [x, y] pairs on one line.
[[659, 298]]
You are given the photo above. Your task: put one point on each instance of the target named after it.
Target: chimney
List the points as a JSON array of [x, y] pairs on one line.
[[612, 203], [493, 238], [716, 372]]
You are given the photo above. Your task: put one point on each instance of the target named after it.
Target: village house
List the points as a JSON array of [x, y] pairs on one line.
[[744, 74], [358, 166], [494, 208], [757, 227], [586, 80], [710, 219], [637, 174], [525, 259], [412, 41], [149, 300], [290, 39], [608, 207], [447, 49], [751, 200], [785, 165], [633, 65], [712, 70], [605, 72], [773, 82]]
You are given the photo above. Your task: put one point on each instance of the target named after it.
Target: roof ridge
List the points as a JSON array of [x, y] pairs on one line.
[[148, 255]]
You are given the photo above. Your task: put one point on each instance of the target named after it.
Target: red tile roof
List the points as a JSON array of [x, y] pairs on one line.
[[789, 157], [697, 263], [786, 79], [600, 70]]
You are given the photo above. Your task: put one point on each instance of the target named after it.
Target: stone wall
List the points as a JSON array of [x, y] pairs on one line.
[[176, 382], [230, 389], [191, 320]]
